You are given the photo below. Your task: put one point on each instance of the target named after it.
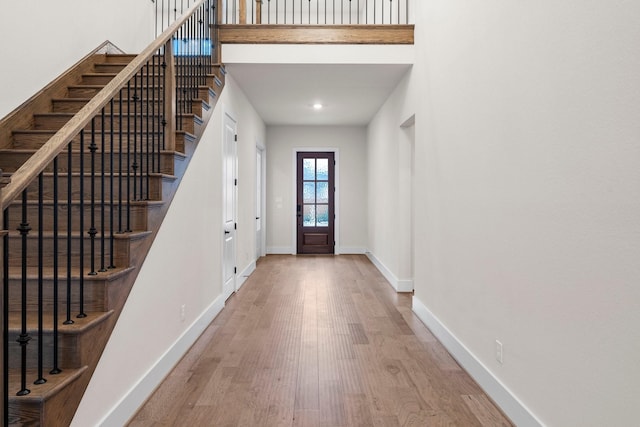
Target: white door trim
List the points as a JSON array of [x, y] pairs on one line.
[[294, 202], [261, 251]]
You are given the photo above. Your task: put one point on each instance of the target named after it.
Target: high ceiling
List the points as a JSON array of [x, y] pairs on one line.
[[284, 94]]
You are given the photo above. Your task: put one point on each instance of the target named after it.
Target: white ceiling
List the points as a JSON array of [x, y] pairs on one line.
[[284, 94]]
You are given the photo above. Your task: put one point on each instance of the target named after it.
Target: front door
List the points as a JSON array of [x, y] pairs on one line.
[[315, 203]]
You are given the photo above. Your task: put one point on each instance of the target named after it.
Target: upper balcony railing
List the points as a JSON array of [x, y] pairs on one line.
[[315, 12]]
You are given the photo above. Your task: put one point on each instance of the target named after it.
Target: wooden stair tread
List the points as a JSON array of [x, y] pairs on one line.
[[131, 235], [106, 202], [47, 272], [32, 151], [79, 325], [107, 174], [41, 392]]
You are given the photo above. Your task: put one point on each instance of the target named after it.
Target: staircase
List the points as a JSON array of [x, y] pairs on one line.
[[74, 239]]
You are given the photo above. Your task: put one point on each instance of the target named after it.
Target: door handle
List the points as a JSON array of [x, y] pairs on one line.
[[257, 217], [227, 232]]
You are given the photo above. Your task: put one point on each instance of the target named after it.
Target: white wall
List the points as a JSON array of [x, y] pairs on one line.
[[182, 268], [389, 157], [351, 206], [41, 39], [528, 199]]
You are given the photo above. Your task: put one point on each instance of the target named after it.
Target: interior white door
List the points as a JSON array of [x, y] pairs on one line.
[[258, 203], [229, 183]]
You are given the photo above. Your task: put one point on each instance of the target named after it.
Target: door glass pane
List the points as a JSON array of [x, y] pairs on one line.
[[309, 216], [323, 170], [309, 169], [309, 192], [322, 215], [322, 195]]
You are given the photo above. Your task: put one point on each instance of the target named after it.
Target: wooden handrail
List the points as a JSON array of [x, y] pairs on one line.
[[58, 142]]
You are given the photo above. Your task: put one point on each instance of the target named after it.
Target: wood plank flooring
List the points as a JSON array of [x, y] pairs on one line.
[[318, 341]]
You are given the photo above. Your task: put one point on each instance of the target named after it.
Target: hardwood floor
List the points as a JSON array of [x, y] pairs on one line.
[[318, 341]]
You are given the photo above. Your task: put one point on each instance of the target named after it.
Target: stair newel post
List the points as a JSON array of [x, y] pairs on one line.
[[24, 338], [243, 12], [169, 84], [4, 303]]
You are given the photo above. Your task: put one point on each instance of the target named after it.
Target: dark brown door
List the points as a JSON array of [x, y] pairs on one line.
[[315, 204]]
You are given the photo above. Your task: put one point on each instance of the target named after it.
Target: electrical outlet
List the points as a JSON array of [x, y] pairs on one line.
[[499, 354], [183, 312]]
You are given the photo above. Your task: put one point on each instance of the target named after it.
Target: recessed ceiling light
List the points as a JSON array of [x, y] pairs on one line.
[[317, 106]]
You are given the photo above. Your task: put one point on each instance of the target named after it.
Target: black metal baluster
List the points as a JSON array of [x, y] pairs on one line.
[[293, 11], [111, 189], [176, 61], [120, 118], [269, 12], [149, 136], [358, 8], [24, 338], [350, 10], [5, 318], [68, 320], [40, 379], [103, 266], [334, 12], [161, 81], [92, 227], [285, 12], [154, 103], [128, 183], [390, 12], [134, 166], [56, 253], [141, 135], [81, 313]]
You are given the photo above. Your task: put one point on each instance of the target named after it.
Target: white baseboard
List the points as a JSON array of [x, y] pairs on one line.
[[244, 275], [347, 250], [280, 250], [397, 284], [501, 395], [129, 404]]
